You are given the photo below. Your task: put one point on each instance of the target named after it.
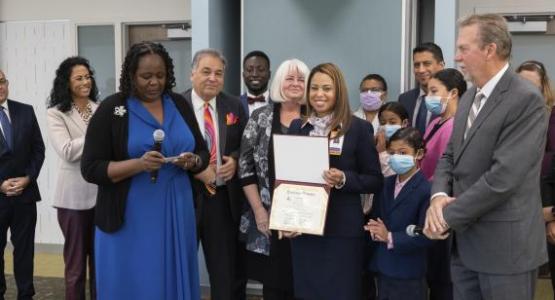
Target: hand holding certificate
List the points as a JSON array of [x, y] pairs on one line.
[[301, 195]]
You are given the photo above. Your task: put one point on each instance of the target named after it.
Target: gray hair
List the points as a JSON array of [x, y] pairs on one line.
[[207, 52], [276, 93], [492, 28]]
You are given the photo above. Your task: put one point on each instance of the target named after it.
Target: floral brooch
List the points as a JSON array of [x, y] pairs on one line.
[[120, 110], [231, 119]]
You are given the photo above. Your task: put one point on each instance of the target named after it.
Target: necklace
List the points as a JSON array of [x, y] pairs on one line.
[[85, 113]]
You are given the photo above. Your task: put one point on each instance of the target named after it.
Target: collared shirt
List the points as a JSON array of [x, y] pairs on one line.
[[256, 105], [420, 101], [399, 185], [488, 88], [198, 106], [7, 111]]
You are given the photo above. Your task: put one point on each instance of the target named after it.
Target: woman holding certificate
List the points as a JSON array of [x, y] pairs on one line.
[[269, 259], [330, 266]]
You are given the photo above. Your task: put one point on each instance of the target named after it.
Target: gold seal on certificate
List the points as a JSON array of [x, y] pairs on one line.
[[300, 199], [299, 208]]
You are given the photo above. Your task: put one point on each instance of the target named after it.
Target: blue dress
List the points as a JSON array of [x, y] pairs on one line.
[[154, 254]]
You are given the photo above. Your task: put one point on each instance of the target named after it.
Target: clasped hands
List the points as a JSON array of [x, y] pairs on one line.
[[435, 226], [378, 231], [14, 186], [153, 160]]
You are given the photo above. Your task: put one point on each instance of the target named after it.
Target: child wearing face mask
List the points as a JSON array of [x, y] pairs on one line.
[[398, 257], [444, 89], [393, 116]]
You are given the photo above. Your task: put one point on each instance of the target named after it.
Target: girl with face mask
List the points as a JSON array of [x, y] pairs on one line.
[[393, 116], [398, 258], [444, 90]]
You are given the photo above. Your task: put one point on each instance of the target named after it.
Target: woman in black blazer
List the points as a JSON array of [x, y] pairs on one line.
[[331, 266]]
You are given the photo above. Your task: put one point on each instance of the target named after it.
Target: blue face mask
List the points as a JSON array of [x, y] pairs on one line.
[[390, 130], [401, 164], [434, 105]]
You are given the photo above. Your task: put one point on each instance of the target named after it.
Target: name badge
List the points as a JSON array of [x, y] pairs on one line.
[[336, 145]]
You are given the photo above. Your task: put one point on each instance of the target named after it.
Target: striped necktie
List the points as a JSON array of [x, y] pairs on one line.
[[6, 127], [473, 112], [210, 137]]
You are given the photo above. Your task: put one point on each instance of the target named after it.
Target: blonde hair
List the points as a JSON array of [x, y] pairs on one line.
[[342, 116], [276, 91], [492, 29]]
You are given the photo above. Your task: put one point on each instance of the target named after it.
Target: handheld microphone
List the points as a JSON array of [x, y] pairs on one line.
[[416, 231], [158, 136]]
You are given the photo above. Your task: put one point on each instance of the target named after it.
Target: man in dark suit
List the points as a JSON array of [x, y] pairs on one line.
[[256, 74], [21, 158], [220, 199], [487, 184], [427, 60]]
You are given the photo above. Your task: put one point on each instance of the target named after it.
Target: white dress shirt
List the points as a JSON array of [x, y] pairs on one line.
[[198, 106]]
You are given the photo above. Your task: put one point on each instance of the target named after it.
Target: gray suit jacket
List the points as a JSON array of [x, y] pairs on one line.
[[494, 174], [66, 132]]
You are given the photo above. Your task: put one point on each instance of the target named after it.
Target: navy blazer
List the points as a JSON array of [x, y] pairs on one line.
[[359, 161], [28, 154], [407, 259], [408, 100], [244, 101]]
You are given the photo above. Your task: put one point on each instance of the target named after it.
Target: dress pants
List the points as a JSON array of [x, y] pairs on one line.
[[78, 229], [472, 285], [20, 219], [223, 252]]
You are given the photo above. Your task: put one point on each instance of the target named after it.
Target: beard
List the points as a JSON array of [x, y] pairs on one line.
[[257, 90]]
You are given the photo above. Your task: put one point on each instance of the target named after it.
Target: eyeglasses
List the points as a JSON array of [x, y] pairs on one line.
[[4, 81]]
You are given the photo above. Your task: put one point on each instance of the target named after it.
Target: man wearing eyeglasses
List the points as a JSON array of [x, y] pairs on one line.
[[21, 158]]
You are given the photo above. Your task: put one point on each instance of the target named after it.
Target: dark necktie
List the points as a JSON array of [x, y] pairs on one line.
[[421, 116], [252, 100], [6, 127]]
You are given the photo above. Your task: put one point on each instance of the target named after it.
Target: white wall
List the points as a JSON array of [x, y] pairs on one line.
[[80, 11]]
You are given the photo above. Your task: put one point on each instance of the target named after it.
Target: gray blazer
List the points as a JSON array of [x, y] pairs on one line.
[[495, 177], [66, 132]]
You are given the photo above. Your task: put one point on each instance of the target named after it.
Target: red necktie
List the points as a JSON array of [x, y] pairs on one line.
[[210, 137]]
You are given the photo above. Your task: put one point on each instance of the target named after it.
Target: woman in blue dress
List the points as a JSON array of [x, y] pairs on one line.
[[145, 241]]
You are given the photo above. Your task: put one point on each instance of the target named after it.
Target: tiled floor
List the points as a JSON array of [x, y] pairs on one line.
[[49, 283]]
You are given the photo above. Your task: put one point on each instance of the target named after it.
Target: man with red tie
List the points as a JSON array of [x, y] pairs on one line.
[[256, 74], [219, 199]]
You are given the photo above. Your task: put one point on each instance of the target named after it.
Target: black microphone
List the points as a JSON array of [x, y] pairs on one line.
[[158, 136], [416, 231]]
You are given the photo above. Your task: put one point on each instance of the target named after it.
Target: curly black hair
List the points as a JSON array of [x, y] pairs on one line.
[[131, 63], [60, 95]]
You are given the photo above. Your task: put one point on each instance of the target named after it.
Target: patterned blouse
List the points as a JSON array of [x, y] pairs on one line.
[[256, 166]]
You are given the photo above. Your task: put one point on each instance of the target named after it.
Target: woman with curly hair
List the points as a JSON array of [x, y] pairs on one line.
[[71, 105], [145, 242]]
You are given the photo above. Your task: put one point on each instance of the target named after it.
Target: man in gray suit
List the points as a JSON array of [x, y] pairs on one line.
[[486, 185]]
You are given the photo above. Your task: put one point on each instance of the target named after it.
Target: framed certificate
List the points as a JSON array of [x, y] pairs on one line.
[[300, 199]]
